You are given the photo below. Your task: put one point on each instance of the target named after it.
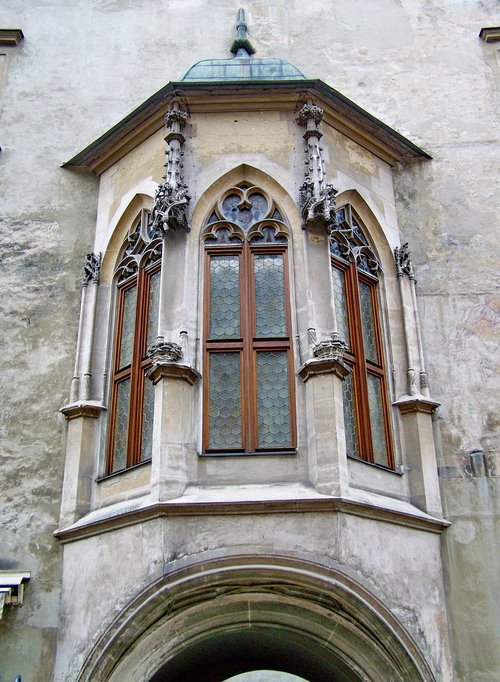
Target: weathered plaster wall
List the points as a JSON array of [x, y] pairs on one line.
[[416, 64]]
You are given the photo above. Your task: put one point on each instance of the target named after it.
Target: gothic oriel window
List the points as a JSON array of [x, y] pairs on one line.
[[248, 365], [355, 270], [137, 279]]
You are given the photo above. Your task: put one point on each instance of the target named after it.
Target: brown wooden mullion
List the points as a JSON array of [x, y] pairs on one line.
[[359, 368], [118, 376], [383, 382], [135, 408]]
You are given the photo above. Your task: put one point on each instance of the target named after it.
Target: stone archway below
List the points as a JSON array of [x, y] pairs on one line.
[[216, 618]]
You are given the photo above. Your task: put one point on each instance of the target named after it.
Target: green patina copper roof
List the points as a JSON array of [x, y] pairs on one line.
[[243, 67]]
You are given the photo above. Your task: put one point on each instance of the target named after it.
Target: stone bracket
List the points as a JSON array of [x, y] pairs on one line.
[[317, 366], [416, 403], [172, 370], [84, 408]]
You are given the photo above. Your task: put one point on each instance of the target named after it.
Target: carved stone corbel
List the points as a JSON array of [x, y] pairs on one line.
[[328, 358], [317, 197], [172, 198], [167, 356]]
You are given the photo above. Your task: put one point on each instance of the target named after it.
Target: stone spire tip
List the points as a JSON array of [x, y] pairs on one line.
[[241, 46]]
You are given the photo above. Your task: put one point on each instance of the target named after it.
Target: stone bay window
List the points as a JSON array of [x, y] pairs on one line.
[[252, 325]]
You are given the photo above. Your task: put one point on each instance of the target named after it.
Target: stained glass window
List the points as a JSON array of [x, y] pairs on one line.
[[224, 297], [269, 295], [355, 270], [248, 388], [132, 393]]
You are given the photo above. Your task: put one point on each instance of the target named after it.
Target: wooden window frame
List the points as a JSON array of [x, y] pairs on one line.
[[135, 371], [356, 358], [248, 345]]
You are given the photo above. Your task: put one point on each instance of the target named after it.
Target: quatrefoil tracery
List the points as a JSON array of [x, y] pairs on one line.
[[244, 213]]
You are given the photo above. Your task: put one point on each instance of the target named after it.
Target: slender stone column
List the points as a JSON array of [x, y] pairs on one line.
[[417, 408], [173, 380], [324, 372], [403, 265], [82, 412], [172, 431]]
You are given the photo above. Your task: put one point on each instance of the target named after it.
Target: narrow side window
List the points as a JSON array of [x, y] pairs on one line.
[[355, 270], [137, 278]]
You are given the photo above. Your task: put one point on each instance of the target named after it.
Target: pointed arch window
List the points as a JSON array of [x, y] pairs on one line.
[[248, 365], [137, 278], [355, 273]]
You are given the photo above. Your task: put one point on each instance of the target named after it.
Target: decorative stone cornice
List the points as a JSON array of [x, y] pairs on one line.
[[404, 266], [317, 197], [417, 520], [172, 198], [416, 403], [173, 370], [10, 37], [92, 268], [84, 408]]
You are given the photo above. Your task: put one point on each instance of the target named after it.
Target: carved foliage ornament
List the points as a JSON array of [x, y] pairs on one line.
[[165, 351], [92, 268], [317, 196], [142, 249], [245, 213], [172, 197], [348, 242], [404, 265]]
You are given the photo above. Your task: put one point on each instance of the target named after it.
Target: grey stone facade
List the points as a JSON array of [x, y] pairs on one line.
[[394, 572]]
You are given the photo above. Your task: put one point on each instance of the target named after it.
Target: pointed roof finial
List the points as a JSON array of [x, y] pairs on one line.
[[241, 46]]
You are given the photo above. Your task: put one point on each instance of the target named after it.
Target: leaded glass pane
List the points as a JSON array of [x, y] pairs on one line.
[[147, 419], [121, 425], [245, 215], [340, 301], [154, 308], [128, 326], [225, 401], [224, 297], [377, 419], [273, 400], [270, 318], [368, 322], [350, 424]]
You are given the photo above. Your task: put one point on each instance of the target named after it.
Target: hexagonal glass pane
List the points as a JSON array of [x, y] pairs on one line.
[[224, 401], [224, 297], [270, 320], [273, 400]]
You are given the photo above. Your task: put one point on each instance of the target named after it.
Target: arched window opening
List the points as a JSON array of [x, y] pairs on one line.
[[137, 278], [248, 387], [355, 269]]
